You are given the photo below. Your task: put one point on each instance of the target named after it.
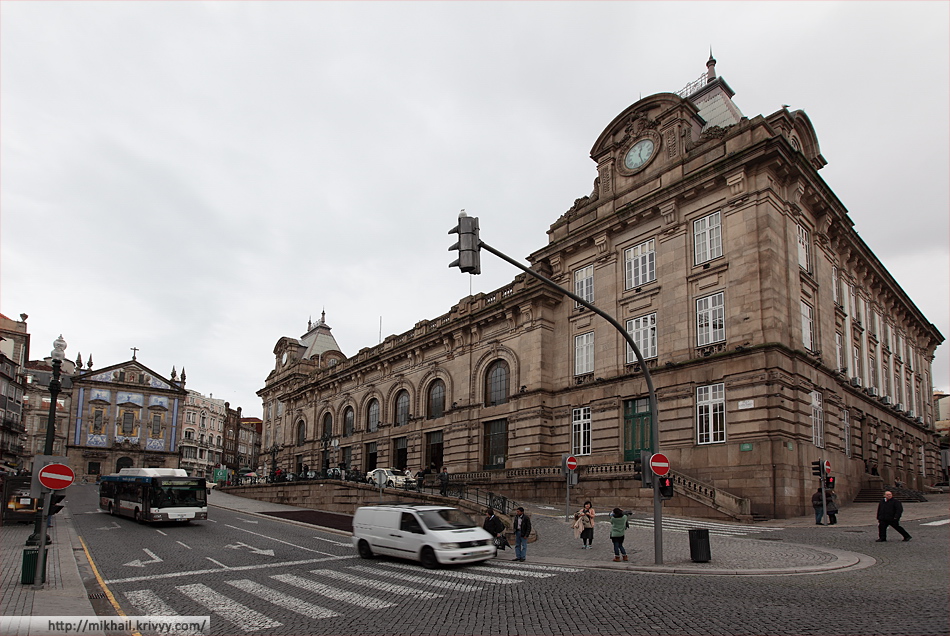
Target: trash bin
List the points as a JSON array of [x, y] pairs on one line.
[[699, 545], [28, 574]]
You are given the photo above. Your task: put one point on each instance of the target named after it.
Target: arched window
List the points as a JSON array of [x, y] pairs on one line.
[[348, 421], [496, 383], [402, 408], [372, 416], [301, 432], [327, 425], [436, 399]]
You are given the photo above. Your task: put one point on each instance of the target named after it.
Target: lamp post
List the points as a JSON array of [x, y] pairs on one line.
[[58, 355]]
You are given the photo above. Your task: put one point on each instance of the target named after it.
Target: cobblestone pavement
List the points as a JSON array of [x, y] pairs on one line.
[[795, 578]]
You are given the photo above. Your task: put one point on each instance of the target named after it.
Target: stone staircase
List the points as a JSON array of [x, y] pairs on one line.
[[875, 494]]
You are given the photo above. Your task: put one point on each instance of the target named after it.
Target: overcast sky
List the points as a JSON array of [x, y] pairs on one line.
[[197, 179]]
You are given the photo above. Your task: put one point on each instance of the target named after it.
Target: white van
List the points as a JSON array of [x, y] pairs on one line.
[[432, 535]]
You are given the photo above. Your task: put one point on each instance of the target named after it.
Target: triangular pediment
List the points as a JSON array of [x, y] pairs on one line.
[[130, 374]]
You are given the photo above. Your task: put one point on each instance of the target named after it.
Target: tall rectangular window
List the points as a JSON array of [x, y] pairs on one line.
[[643, 332], [852, 302], [711, 414], [496, 444], [804, 249], [434, 450], [580, 431], [856, 371], [97, 421], [584, 284], [846, 424], [371, 456], [839, 351], [127, 421], [707, 238], [710, 320], [640, 264], [584, 353], [156, 425], [835, 282], [808, 326], [817, 420]]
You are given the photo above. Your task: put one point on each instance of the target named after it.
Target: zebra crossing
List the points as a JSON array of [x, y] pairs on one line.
[[354, 588], [717, 529]]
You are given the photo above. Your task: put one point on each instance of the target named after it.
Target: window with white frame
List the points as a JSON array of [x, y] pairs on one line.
[[856, 361], [804, 249], [846, 425], [711, 414], [580, 431], [710, 320], [640, 264], [707, 238], [643, 332], [852, 302], [584, 353], [808, 326], [584, 284], [817, 420]]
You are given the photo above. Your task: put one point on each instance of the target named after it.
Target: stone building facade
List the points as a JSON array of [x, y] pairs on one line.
[[122, 416], [773, 334], [202, 435]]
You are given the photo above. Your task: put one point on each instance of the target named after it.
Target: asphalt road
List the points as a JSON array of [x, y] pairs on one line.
[[256, 575]]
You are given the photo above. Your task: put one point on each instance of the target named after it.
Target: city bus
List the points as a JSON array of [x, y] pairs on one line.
[[154, 494]]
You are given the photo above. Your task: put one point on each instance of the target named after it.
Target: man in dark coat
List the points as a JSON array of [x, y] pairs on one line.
[[522, 528], [493, 525], [444, 481], [889, 513]]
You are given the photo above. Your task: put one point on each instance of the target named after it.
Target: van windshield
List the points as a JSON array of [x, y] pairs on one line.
[[446, 519]]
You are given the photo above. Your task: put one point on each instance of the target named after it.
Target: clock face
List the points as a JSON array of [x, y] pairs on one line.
[[283, 359], [639, 154]]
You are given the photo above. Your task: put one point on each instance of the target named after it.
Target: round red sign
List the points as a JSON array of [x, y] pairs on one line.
[[827, 466], [659, 464], [56, 476], [571, 462]]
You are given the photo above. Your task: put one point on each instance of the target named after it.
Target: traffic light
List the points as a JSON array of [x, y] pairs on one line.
[[829, 483], [646, 473], [666, 487], [816, 468], [54, 505], [468, 245]]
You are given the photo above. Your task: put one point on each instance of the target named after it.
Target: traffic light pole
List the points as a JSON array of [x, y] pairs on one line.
[[654, 419]]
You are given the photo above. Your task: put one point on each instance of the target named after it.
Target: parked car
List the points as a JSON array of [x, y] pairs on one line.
[[389, 478], [432, 535], [940, 486]]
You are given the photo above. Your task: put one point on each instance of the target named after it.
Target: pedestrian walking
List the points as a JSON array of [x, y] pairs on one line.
[[831, 507], [817, 503], [522, 528], [889, 513], [444, 481], [496, 528], [584, 520], [618, 528]]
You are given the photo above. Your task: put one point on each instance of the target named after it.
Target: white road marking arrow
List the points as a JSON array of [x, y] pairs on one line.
[[112, 527], [141, 564], [238, 545], [247, 520]]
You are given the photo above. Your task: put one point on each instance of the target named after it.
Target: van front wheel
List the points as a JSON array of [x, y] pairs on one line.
[[363, 548], [428, 559]]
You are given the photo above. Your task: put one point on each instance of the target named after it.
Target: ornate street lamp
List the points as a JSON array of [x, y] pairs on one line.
[[58, 355]]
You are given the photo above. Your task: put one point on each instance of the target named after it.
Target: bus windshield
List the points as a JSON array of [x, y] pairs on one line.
[[177, 495]]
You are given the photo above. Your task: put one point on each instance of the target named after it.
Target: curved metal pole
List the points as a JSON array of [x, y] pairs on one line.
[[654, 415]]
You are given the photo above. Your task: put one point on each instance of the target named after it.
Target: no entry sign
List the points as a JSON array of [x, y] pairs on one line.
[[56, 476], [827, 466], [571, 462], [659, 464]]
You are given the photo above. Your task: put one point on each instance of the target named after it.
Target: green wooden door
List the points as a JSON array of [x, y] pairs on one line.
[[636, 428]]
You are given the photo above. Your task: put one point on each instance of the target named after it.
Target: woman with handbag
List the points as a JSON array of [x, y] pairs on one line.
[[585, 522]]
